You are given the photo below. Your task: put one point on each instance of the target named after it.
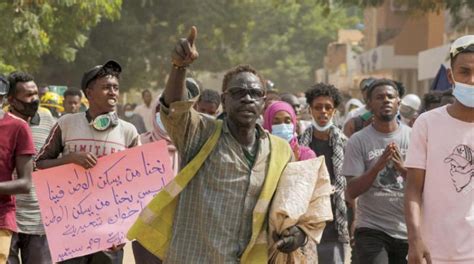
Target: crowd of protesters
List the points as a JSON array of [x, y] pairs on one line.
[[400, 167]]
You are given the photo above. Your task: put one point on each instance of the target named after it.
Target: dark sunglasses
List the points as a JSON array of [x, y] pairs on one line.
[[237, 92]]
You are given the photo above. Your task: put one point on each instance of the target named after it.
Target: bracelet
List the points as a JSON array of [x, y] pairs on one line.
[[176, 67]]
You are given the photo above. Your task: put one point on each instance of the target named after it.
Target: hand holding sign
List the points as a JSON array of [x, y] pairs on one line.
[[92, 209], [85, 159], [185, 51]]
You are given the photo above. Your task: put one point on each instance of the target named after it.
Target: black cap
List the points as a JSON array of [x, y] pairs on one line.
[[4, 86], [91, 74]]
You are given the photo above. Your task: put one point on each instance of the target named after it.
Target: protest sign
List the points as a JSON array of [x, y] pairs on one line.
[[86, 211]]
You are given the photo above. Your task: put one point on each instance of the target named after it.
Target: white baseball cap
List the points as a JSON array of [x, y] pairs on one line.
[[461, 44]]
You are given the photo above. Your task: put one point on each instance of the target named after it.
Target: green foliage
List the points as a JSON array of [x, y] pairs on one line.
[[285, 40], [416, 6], [32, 29]]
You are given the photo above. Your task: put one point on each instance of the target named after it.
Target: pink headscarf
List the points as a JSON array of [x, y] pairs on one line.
[[158, 134], [304, 152]]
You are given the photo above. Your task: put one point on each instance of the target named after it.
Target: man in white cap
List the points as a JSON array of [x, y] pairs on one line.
[[409, 109], [438, 200]]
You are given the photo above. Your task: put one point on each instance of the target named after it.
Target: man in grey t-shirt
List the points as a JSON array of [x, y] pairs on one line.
[[373, 164]]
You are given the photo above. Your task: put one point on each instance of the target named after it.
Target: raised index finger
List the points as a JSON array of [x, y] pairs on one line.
[[192, 35]]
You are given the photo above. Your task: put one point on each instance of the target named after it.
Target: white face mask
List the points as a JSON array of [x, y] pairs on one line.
[[128, 114], [320, 128], [464, 93]]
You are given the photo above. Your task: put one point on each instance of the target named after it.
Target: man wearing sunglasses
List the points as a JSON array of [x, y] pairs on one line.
[[221, 211], [439, 195]]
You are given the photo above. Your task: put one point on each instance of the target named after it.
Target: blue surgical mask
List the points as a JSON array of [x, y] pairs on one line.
[[464, 93], [320, 128], [158, 121], [284, 131]]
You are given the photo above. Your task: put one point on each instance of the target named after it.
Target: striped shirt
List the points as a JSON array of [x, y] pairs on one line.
[[213, 219], [28, 217]]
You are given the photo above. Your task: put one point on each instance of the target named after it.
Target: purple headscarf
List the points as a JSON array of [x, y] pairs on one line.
[[304, 152]]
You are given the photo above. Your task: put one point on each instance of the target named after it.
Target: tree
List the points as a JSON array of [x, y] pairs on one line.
[[32, 29], [454, 6], [286, 41]]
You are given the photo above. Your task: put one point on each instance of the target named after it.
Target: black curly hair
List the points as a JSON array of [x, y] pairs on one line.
[[17, 77], [72, 92], [380, 82], [323, 89]]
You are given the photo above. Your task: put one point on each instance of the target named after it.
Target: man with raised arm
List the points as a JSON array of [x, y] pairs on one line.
[[215, 211]]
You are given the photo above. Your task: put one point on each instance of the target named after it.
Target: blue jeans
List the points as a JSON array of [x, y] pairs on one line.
[[376, 247], [33, 249]]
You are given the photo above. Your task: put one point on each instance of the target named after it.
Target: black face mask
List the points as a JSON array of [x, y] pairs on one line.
[[29, 109]]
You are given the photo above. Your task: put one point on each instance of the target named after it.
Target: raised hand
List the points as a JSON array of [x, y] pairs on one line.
[[185, 51]]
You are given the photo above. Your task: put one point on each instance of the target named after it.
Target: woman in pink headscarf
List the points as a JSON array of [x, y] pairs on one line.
[[141, 254], [280, 120]]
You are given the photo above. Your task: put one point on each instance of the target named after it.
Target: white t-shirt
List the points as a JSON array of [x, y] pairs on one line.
[[147, 114], [444, 147]]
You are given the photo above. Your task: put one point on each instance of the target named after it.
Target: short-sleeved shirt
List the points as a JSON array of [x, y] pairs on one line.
[[381, 207], [28, 217], [444, 147], [16, 140], [74, 133]]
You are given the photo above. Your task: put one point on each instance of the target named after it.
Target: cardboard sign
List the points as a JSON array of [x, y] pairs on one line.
[[85, 211]]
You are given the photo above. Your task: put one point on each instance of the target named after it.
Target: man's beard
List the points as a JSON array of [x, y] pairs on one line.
[[387, 118]]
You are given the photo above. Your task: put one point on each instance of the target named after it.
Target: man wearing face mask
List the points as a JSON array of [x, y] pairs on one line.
[[83, 137], [327, 140], [30, 239], [440, 188], [15, 154]]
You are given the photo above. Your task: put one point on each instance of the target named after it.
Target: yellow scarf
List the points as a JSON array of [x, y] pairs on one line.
[[153, 228]]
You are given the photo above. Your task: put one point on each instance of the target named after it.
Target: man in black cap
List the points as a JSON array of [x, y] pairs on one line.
[[83, 137]]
